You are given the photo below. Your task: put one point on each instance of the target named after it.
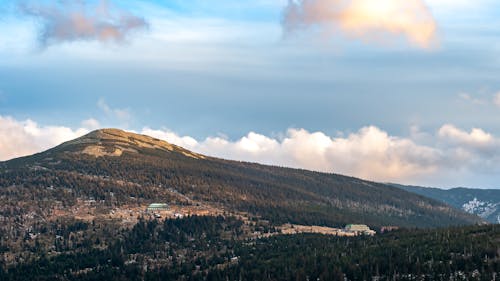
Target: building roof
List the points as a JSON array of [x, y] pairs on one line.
[[157, 205], [357, 227]]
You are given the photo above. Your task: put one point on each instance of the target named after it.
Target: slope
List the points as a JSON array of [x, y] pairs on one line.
[[482, 202], [116, 168]]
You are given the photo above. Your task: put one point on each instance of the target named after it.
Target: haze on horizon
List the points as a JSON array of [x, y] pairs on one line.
[[403, 92]]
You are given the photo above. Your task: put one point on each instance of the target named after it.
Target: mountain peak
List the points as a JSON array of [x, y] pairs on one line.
[[138, 168], [115, 142]]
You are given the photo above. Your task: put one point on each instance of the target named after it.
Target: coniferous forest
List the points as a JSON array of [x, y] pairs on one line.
[[215, 248]]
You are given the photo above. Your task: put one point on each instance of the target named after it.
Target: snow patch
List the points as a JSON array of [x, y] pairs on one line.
[[481, 208]]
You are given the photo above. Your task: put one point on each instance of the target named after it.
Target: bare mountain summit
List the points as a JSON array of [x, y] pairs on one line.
[[114, 142]]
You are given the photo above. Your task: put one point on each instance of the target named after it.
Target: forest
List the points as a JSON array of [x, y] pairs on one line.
[[215, 248]]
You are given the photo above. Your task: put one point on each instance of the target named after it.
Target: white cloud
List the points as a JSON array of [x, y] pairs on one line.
[[369, 153], [91, 123], [475, 138], [21, 138], [475, 151], [187, 142]]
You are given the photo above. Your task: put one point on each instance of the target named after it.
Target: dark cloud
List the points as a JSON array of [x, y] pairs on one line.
[[67, 21]]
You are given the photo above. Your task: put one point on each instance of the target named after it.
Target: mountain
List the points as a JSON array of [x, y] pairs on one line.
[[110, 172], [482, 202]]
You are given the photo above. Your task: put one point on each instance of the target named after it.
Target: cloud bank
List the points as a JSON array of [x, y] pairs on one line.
[[369, 153], [73, 20], [364, 19], [21, 138]]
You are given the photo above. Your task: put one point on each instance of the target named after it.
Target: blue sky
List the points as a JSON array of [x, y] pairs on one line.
[[244, 79]]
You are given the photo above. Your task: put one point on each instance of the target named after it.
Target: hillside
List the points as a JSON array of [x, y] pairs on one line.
[[209, 248], [482, 202], [112, 170]]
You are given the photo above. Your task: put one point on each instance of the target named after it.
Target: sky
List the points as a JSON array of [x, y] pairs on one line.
[[388, 90]]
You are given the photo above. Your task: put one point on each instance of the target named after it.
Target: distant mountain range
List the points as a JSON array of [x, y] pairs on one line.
[[482, 202], [113, 168]]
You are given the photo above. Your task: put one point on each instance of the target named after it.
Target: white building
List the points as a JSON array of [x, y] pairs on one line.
[[359, 229], [157, 207]]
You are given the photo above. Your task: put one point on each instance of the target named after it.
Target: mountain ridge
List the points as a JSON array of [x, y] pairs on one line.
[[482, 202], [115, 166]]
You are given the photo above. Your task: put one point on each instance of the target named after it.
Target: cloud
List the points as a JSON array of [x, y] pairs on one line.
[[91, 123], [476, 138], [444, 157], [123, 115], [496, 99], [369, 153], [474, 151], [171, 137], [21, 138], [74, 20], [486, 98], [364, 19], [472, 99]]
